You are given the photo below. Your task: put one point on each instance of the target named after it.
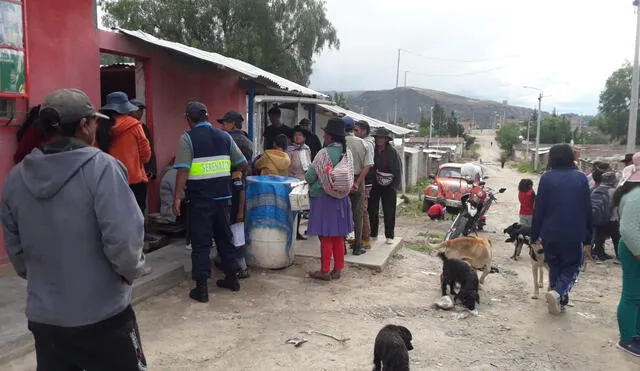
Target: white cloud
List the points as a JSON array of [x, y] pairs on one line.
[[568, 48]]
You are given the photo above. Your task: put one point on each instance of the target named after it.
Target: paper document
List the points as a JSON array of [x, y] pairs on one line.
[[238, 234]]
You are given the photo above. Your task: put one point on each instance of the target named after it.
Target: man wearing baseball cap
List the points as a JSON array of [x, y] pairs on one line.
[[73, 230], [205, 158]]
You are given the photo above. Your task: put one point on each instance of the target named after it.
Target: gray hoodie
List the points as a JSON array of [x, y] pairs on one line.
[[73, 229]]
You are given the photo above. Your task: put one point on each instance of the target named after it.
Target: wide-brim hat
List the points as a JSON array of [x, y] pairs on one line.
[[118, 101], [382, 133], [335, 126], [628, 158]]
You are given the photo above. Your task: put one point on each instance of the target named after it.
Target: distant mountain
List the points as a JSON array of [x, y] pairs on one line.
[[380, 104]]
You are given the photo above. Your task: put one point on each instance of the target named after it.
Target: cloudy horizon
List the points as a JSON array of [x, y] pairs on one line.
[[484, 50]]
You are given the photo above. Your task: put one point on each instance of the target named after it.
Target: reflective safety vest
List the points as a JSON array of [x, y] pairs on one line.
[[210, 172]]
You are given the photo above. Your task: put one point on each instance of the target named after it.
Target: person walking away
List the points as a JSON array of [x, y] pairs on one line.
[[363, 131], [605, 219], [151, 167], [388, 172], [437, 211], [232, 124], [30, 135], [77, 239], [597, 169], [627, 200], [311, 139], [330, 218], [300, 155], [362, 162], [204, 160], [276, 128], [630, 169], [526, 197], [274, 161], [562, 221]]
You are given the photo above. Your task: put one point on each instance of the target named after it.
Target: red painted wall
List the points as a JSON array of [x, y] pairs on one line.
[[173, 80], [61, 52]]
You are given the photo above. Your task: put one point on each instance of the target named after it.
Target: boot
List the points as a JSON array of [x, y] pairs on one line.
[[359, 250], [200, 293], [230, 282]]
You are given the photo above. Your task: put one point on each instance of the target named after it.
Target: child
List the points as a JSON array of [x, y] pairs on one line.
[[526, 196], [437, 210]]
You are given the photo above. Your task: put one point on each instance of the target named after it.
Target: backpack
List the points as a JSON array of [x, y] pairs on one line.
[[336, 180], [600, 206]]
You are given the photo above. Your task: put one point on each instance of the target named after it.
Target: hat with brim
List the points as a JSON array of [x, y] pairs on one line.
[[67, 106], [118, 101], [335, 126], [232, 117], [382, 133]]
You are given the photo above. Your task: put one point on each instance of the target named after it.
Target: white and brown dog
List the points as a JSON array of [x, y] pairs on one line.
[[536, 252]]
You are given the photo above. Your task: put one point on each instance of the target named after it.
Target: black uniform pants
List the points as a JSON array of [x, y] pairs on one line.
[[389, 198]]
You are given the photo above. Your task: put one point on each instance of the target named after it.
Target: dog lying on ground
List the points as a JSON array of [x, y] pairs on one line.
[[391, 349], [474, 250], [459, 271], [520, 235], [536, 252]]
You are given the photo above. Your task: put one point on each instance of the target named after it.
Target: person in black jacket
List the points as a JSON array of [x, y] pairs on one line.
[[387, 170], [311, 140], [150, 167]]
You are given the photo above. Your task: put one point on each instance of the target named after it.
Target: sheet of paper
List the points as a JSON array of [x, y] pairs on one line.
[[238, 234]]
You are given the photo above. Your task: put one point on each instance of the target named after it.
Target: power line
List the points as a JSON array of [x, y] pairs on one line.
[[459, 60]]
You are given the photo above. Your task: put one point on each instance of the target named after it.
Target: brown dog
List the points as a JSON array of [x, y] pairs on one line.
[[474, 250], [536, 252]]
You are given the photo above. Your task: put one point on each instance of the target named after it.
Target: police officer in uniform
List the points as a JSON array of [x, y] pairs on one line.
[[204, 161]]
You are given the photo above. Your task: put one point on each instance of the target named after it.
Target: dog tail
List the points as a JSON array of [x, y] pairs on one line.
[[442, 255]]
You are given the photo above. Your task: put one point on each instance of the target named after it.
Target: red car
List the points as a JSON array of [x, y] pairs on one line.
[[450, 183]]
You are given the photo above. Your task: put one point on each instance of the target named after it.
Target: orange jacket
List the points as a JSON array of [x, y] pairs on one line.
[[131, 147]]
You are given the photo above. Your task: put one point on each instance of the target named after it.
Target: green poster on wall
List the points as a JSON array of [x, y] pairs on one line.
[[12, 71]]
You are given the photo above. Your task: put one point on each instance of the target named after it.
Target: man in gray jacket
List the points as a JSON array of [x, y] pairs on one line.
[[74, 231]]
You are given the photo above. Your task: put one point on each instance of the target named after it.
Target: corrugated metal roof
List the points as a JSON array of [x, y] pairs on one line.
[[374, 123], [237, 65]]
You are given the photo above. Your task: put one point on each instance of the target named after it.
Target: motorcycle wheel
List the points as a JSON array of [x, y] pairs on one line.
[[457, 227]]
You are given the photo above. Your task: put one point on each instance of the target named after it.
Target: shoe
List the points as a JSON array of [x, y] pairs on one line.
[[553, 302], [145, 270], [359, 251], [336, 274], [630, 347], [603, 257], [188, 246], [243, 274], [200, 293], [389, 241], [319, 275], [300, 237], [229, 282], [366, 244]]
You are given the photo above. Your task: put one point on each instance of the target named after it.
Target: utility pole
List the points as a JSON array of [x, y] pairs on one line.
[[395, 114], [635, 86], [430, 127], [405, 79], [535, 159]]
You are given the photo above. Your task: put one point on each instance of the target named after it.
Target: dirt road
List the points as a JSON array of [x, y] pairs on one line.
[[248, 330]]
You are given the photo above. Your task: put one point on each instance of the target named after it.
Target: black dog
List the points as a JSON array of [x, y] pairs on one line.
[[458, 271], [391, 351], [520, 235]]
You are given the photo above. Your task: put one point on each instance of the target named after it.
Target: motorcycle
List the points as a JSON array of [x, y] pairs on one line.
[[472, 215]]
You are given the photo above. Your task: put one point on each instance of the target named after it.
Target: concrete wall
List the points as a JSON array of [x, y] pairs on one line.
[[61, 52]]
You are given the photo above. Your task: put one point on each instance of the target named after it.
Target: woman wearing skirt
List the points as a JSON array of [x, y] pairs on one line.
[[330, 218]]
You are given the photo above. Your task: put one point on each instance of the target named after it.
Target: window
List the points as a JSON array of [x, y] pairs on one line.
[[13, 74]]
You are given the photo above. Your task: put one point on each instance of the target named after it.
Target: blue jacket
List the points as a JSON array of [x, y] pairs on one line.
[[563, 208]]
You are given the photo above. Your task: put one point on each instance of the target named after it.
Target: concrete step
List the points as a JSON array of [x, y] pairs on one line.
[[376, 258], [15, 338]]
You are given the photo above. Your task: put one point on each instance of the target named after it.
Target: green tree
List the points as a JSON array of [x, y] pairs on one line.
[[280, 36], [340, 100], [614, 104], [424, 125], [453, 128], [439, 119], [555, 129], [507, 137]]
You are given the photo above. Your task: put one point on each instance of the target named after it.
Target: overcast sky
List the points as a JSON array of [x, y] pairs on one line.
[[568, 48]]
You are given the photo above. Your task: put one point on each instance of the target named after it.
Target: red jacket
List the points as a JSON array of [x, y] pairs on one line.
[[526, 202], [436, 210]]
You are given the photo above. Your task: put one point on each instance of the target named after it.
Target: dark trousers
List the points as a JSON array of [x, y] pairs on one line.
[[357, 209], [564, 262], [112, 344], [611, 229], [389, 199], [140, 192], [209, 220]]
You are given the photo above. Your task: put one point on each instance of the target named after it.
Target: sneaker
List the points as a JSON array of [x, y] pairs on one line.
[[145, 270], [630, 347], [553, 302], [389, 241]]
